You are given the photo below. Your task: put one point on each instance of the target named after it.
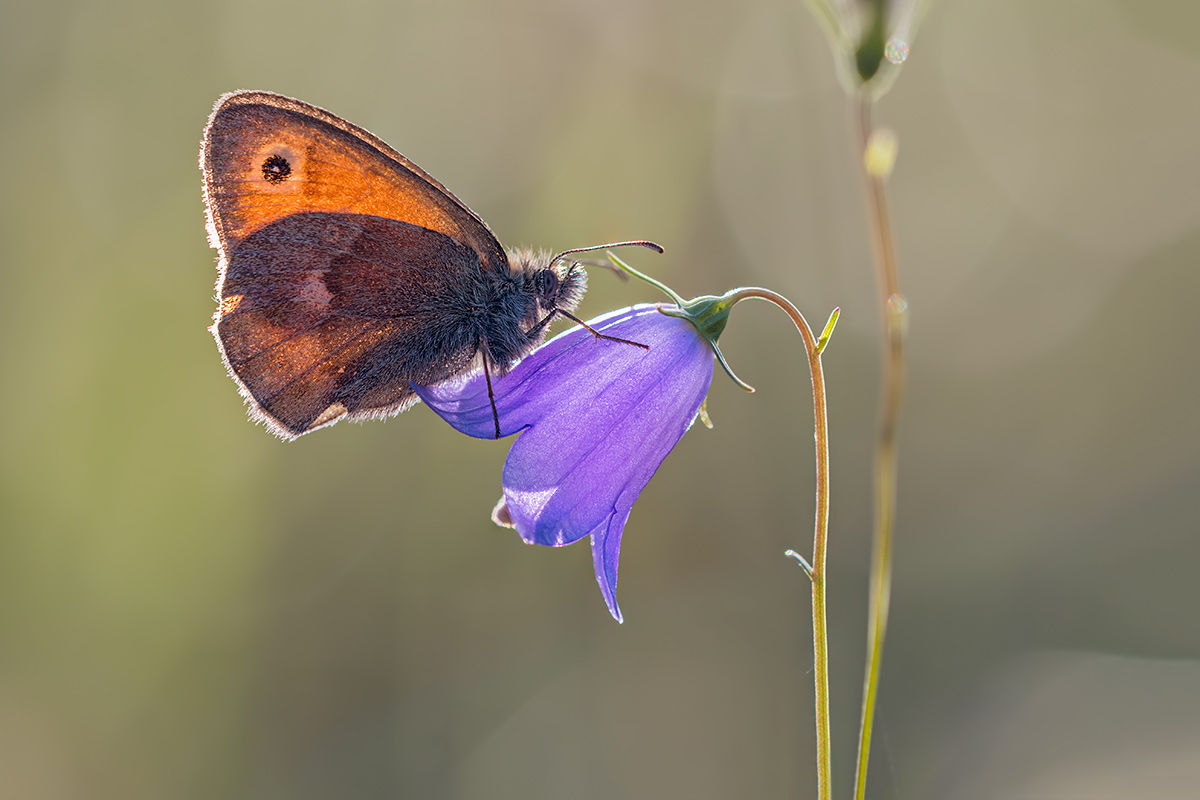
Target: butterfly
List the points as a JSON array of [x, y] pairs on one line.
[[346, 273]]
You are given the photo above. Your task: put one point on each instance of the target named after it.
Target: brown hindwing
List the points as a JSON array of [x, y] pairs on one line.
[[324, 315]]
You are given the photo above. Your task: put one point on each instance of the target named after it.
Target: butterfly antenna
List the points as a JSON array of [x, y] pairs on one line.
[[635, 243]]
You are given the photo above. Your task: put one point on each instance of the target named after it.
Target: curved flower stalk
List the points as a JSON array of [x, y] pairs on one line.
[[596, 419]]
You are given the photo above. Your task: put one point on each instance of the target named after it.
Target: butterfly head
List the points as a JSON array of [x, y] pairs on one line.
[[547, 287], [558, 283], [554, 284]]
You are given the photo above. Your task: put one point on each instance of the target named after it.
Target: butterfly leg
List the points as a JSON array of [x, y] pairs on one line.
[[598, 334], [487, 374], [536, 329], [533, 332]]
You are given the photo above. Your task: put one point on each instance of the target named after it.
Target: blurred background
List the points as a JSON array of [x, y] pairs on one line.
[[190, 608]]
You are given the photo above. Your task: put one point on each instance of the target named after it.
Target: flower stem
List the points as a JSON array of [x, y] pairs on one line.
[[815, 570], [894, 308]]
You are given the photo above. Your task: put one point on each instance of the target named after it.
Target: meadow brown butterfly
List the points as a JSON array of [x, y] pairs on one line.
[[347, 272]]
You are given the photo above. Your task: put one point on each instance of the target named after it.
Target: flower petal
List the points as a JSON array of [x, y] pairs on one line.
[[606, 553]]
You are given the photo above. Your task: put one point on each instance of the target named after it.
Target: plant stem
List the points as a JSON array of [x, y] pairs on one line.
[[821, 527], [894, 308]]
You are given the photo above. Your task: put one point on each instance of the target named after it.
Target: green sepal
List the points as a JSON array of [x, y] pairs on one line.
[[708, 314]]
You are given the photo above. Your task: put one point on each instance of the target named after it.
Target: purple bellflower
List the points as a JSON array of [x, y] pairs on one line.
[[595, 418]]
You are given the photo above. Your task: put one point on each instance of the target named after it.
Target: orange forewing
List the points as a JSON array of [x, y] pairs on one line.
[[335, 166]]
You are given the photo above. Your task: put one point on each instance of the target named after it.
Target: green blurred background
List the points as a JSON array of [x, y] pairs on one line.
[[190, 608]]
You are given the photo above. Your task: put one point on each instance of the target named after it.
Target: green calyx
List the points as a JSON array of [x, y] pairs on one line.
[[708, 314]]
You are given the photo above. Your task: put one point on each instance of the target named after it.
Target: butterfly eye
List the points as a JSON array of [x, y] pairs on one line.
[[545, 284]]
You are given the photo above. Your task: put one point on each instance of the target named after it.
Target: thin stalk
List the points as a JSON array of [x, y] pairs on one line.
[[816, 570], [894, 309]]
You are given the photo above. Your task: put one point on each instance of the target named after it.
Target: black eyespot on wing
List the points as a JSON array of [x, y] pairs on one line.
[[276, 169]]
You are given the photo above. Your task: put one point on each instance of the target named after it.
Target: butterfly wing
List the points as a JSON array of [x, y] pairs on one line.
[[345, 270]]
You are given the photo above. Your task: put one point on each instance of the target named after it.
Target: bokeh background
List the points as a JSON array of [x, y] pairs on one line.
[[190, 608]]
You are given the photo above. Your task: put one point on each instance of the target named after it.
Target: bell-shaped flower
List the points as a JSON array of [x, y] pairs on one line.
[[596, 418]]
